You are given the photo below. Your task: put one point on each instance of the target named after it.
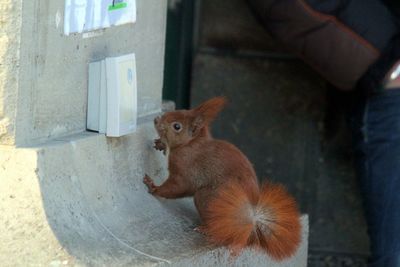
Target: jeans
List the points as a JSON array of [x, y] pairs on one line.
[[375, 123]]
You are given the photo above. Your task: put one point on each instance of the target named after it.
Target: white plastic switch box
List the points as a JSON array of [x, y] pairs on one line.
[[94, 96], [121, 95], [112, 96]]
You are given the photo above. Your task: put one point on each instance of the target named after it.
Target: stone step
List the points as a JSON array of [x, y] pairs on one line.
[[79, 201]]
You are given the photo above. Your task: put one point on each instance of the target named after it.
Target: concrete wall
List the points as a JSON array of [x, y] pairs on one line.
[[43, 78], [10, 21], [80, 201]]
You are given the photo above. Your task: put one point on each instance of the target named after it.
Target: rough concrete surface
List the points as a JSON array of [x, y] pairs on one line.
[[49, 78], [10, 21], [80, 201]]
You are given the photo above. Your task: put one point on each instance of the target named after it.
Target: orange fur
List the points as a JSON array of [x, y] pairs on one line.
[[210, 109], [267, 219], [234, 210]]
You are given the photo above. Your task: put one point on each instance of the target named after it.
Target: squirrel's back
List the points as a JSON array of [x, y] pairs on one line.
[[215, 162]]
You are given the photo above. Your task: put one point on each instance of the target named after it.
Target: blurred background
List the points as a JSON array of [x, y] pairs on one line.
[[281, 114]]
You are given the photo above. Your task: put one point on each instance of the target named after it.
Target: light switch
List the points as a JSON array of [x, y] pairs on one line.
[[121, 95], [112, 96]]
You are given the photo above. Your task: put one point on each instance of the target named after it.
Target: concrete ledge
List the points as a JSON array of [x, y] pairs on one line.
[[80, 201]]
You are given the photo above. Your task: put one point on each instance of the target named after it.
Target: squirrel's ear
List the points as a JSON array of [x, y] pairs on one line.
[[207, 111], [210, 109]]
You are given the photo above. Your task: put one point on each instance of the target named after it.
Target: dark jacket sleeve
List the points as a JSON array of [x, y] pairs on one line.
[[394, 6], [341, 39]]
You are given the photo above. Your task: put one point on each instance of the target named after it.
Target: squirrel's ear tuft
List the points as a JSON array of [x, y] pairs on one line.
[[210, 109], [206, 112]]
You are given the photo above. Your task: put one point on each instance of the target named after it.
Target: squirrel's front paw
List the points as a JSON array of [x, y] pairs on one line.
[[150, 184], [159, 145]]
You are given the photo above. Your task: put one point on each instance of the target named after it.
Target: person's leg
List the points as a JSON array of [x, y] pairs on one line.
[[376, 136]]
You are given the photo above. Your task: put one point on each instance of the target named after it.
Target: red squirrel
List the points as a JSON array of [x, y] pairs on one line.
[[234, 209]]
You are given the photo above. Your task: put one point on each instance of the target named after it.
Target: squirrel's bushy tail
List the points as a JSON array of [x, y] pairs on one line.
[[265, 218]]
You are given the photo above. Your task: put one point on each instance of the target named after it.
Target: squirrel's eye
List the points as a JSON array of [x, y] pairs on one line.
[[177, 126]]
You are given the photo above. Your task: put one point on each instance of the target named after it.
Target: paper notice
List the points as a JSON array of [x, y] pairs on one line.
[[88, 15]]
